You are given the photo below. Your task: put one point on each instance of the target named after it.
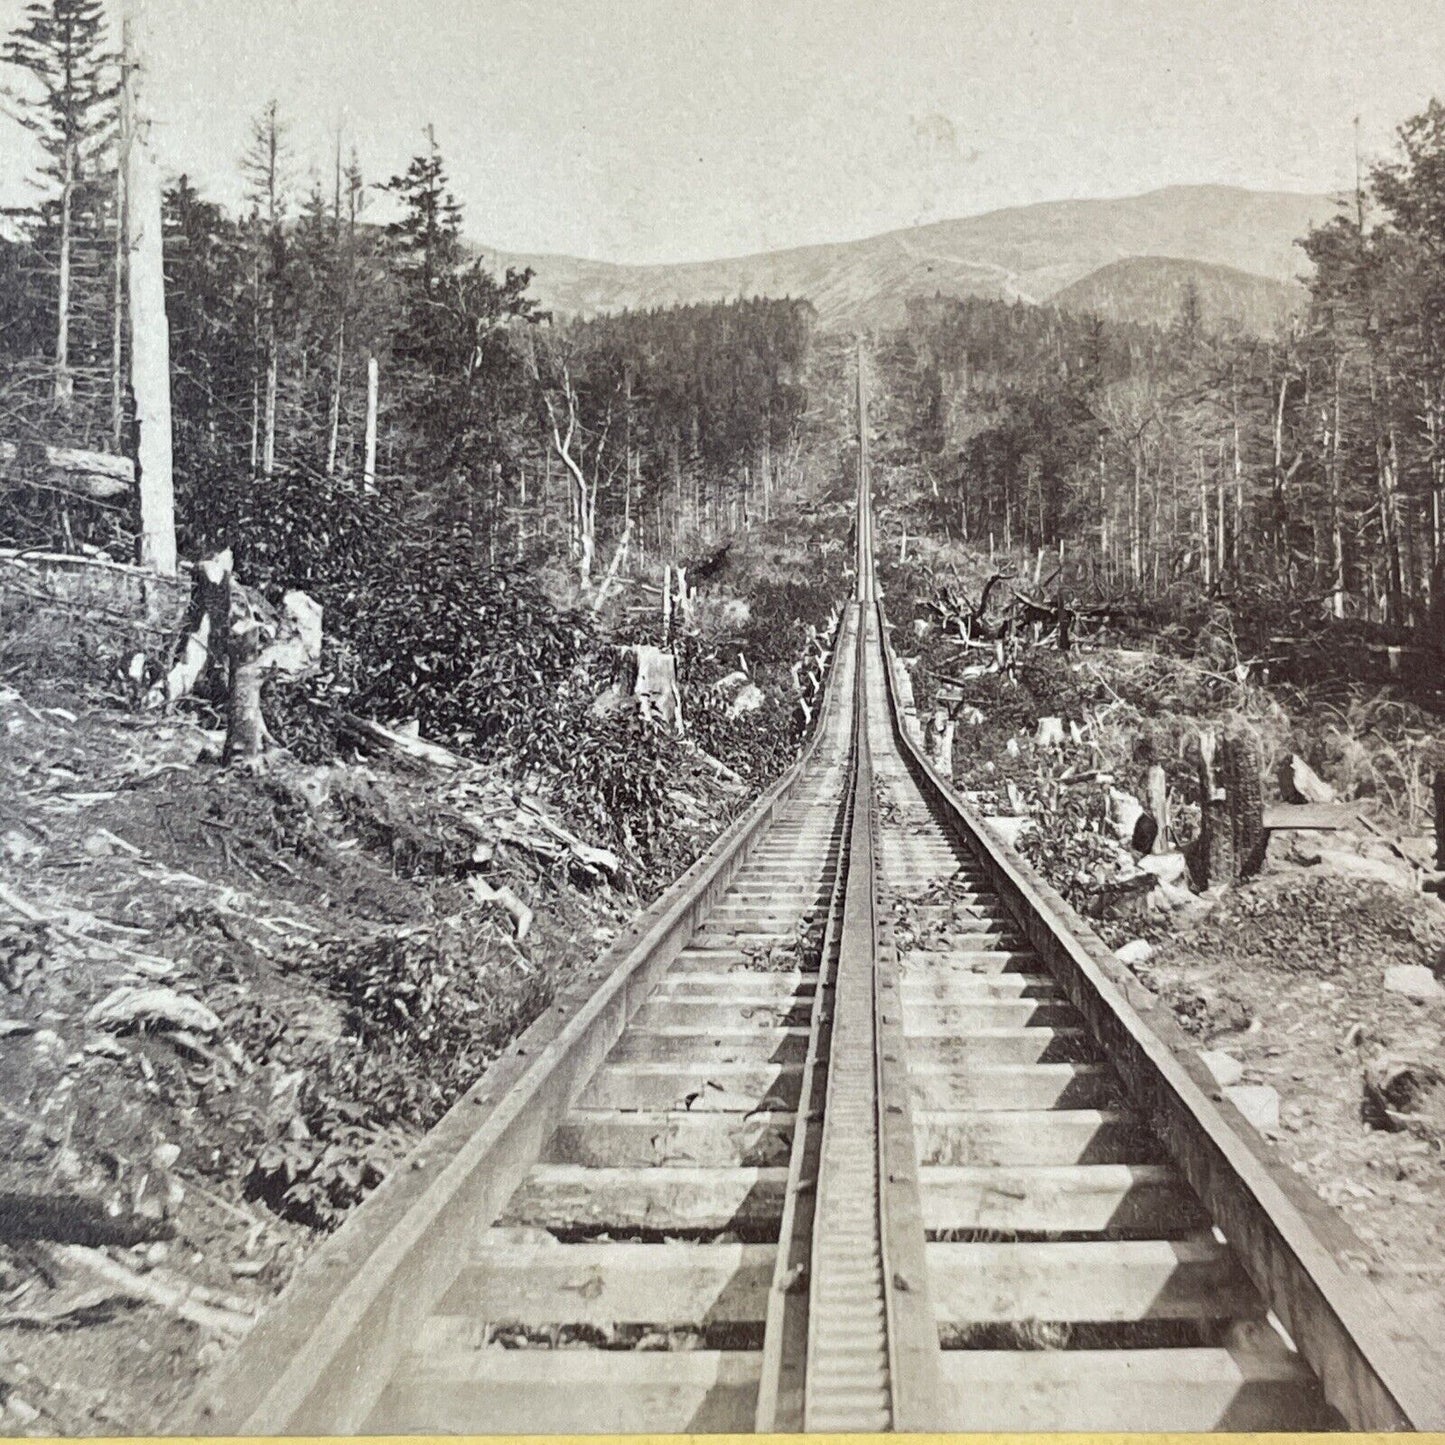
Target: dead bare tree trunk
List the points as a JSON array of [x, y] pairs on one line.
[[150, 350], [372, 387], [1243, 785], [64, 381]]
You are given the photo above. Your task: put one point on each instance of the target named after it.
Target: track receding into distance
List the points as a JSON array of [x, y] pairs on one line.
[[859, 1129]]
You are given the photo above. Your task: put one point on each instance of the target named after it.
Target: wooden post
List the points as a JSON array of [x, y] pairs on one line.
[[667, 600], [1156, 789], [373, 385], [150, 345]]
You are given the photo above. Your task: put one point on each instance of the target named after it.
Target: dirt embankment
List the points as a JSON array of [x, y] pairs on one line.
[[228, 1004]]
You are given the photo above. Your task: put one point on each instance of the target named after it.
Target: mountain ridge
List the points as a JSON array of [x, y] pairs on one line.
[[1030, 253]]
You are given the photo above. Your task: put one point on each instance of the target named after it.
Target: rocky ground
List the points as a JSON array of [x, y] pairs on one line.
[[228, 1003]]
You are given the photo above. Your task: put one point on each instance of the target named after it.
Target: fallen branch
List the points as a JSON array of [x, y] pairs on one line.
[[485, 892], [403, 741], [176, 1296], [74, 1219]]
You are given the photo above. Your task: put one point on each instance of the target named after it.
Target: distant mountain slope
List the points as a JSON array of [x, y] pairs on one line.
[[1027, 252], [1152, 288]]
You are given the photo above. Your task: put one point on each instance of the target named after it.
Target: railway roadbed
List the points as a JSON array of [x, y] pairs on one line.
[[860, 1130]]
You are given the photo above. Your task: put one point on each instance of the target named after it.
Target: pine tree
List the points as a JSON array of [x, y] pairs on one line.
[[62, 45]]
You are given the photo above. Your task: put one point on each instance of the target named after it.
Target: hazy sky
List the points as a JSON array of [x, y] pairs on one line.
[[679, 129]]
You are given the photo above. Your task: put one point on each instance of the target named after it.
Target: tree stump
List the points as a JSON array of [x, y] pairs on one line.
[[1156, 788], [1216, 833], [1440, 821], [245, 725], [1244, 789]]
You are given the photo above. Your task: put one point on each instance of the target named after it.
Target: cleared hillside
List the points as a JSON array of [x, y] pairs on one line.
[[1027, 252]]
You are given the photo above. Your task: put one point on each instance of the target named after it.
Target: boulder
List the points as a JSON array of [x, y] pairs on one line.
[[1135, 952], [1414, 980], [749, 699], [1225, 1069], [1257, 1102], [1166, 867], [1009, 829]]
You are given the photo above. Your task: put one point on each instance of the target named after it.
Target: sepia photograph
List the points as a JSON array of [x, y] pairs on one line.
[[721, 716]]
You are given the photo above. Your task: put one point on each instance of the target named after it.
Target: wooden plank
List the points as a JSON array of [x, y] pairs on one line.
[[686, 1045], [704, 1014], [1024, 1086], [1325, 817], [1071, 1198], [602, 1137], [609, 1284], [1034, 1136], [744, 985], [982, 962], [462, 1391], [667, 1199], [1130, 1390], [1105, 1281], [1002, 1046], [947, 985], [743, 1088], [949, 1020]]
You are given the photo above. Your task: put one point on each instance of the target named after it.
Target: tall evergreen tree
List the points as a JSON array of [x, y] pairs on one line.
[[61, 44]]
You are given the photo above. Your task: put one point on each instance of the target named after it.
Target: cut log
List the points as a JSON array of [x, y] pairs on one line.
[[1314, 817], [75, 1219], [200, 1306], [98, 476], [402, 741]]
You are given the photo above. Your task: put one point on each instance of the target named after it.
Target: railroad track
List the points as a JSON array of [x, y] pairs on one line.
[[859, 1129]]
